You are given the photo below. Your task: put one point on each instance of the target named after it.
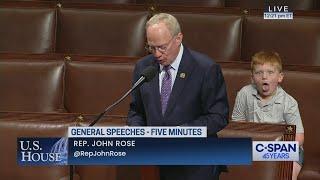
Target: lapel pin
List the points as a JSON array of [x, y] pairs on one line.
[[182, 75]]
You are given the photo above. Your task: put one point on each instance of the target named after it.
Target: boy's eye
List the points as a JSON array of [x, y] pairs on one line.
[[260, 73], [270, 72]]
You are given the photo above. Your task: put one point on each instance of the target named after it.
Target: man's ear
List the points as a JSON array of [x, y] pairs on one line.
[[179, 37]]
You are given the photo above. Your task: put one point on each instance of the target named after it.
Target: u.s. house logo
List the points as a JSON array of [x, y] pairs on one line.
[[42, 151]]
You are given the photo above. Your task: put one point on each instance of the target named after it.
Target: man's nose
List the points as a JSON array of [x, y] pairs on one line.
[[157, 53]]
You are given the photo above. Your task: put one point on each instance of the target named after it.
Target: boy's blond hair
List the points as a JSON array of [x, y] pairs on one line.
[[263, 57]]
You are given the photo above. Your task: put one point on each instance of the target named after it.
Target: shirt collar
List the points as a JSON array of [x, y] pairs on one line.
[[175, 64], [275, 99]]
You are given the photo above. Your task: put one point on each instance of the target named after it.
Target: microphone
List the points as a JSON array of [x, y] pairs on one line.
[[146, 76]]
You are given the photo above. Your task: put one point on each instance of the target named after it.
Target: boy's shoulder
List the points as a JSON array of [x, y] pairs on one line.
[[248, 89], [246, 93], [285, 97]]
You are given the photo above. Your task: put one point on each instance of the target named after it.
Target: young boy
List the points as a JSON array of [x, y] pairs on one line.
[[265, 101]]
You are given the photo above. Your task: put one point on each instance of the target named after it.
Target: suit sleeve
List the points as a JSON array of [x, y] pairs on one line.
[[214, 102], [136, 114]]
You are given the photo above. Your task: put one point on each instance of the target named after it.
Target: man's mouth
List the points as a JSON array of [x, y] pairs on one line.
[[160, 61]]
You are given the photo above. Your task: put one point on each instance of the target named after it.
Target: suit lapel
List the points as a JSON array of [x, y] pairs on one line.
[[154, 87], [184, 72]]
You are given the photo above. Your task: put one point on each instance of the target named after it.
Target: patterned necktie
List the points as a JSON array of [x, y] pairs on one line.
[[166, 88]]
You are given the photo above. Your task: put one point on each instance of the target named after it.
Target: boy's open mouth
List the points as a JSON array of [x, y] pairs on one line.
[[265, 87]]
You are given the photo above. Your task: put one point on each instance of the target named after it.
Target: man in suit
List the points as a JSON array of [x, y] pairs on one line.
[[188, 90]]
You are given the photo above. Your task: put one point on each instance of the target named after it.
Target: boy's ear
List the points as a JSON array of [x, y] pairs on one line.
[[280, 77], [251, 78]]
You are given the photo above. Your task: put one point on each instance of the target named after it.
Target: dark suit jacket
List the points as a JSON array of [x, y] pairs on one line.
[[198, 96]]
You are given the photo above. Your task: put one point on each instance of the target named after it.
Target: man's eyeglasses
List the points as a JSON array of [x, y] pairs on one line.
[[162, 48]]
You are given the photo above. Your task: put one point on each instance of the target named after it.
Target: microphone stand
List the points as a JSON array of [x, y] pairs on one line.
[[71, 171], [140, 80]]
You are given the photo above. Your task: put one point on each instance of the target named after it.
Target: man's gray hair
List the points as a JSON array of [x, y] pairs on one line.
[[170, 21]]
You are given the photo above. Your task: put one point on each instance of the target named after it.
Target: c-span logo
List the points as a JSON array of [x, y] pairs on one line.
[[275, 151]]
